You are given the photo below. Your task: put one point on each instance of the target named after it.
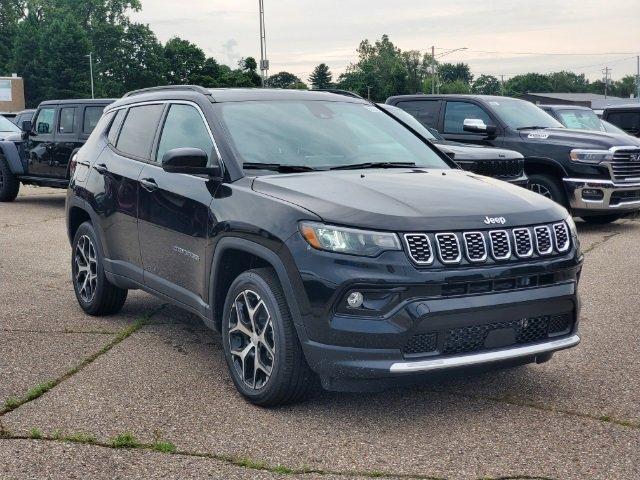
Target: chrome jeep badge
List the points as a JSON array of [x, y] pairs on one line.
[[495, 220]]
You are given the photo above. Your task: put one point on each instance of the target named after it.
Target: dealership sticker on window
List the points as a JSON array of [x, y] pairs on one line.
[[540, 135]]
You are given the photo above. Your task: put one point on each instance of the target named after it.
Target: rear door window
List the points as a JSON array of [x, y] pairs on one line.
[[426, 111], [114, 129], [138, 130], [91, 117], [457, 112], [67, 119]]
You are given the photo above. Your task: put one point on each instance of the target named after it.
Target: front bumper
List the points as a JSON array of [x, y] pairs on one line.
[[615, 197]]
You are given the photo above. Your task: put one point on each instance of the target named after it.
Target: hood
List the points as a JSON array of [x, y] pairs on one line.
[[578, 138], [10, 137], [476, 152], [409, 199]]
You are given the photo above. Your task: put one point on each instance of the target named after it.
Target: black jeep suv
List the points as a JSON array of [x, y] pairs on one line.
[[323, 238], [595, 174], [40, 151]]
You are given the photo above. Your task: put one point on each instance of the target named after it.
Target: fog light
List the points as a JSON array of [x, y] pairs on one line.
[[592, 194], [355, 299]]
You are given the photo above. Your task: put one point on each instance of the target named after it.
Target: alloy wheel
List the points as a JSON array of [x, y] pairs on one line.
[[86, 268], [251, 339], [541, 190]]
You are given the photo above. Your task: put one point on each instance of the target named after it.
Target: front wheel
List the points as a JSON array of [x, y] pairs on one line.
[[548, 186], [261, 346], [9, 183], [95, 294], [602, 219]]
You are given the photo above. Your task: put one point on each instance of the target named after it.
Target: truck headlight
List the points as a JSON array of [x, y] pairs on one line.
[[348, 240], [590, 156]]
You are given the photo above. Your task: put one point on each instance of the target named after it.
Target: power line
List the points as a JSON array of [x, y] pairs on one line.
[[546, 53]]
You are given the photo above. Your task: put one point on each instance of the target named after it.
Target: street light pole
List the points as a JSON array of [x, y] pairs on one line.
[[435, 75], [264, 63], [91, 72]]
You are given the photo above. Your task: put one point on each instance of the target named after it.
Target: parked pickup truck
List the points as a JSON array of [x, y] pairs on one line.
[[596, 174], [40, 151], [498, 163], [580, 118], [627, 117]]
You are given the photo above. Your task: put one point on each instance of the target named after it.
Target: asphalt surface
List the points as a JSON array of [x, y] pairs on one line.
[[156, 373]]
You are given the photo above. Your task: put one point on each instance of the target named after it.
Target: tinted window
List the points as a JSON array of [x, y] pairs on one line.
[[138, 130], [67, 119], [184, 127], [580, 119], [320, 134], [426, 111], [44, 121], [522, 114], [115, 126], [629, 121], [456, 112], [91, 117]]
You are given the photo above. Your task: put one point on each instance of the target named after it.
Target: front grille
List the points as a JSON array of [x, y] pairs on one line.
[[559, 324], [626, 165], [475, 246], [624, 196], [448, 247], [500, 244], [421, 343], [487, 246], [561, 236], [523, 245], [543, 240], [419, 247], [511, 168]]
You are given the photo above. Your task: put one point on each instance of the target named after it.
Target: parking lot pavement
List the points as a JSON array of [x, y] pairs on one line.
[[576, 416]]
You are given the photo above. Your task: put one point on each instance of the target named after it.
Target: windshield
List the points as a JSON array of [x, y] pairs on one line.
[[581, 119], [320, 135], [410, 120], [7, 125], [522, 114]]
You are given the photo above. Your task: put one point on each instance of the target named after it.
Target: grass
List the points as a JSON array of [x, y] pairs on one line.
[[163, 446], [80, 438], [125, 440], [35, 433]]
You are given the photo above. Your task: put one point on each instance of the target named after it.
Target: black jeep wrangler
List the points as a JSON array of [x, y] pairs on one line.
[[40, 151], [322, 237], [595, 174]]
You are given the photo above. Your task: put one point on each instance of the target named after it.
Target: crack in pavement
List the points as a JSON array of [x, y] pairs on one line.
[[89, 332], [599, 243], [13, 403], [240, 462], [12, 225]]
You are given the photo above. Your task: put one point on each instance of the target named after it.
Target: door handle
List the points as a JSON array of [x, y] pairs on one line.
[[149, 184], [101, 168]]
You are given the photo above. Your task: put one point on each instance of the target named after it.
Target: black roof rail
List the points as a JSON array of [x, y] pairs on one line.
[[192, 88]]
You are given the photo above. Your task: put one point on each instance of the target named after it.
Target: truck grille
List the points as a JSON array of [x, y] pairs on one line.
[[483, 246], [626, 165], [472, 338], [511, 168]]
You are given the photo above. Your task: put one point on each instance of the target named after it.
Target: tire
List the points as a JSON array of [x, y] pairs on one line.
[[9, 183], [95, 294], [284, 376], [548, 186], [602, 219]]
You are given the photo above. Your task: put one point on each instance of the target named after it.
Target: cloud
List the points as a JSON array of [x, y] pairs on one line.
[[229, 52]]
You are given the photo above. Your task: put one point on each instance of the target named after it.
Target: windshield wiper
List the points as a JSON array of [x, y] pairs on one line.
[[357, 166], [533, 127], [278, 167]]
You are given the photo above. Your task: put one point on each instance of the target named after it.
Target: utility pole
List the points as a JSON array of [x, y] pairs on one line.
[[501, 84], [638, 79], [606, 71], [264, 63], [433, 66], [91, 72], [369, 92]]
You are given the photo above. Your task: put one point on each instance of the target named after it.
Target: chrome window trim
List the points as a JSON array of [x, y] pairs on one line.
[[406, 242], [550, 249], [555, 237], [515, 240], [466, 246], [458, 258], [493, 253]]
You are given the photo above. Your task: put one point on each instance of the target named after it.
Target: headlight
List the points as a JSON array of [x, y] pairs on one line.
[[590, 156], [572, 226], [348, 240]]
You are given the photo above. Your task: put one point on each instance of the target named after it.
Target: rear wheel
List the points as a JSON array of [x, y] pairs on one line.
[[548, 186], [95, 294], [9, 183], [261, 346], [602, 219]]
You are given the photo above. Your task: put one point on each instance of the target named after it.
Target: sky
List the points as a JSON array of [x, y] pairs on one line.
[[502, 37]]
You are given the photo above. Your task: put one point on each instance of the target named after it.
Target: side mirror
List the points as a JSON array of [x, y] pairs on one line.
[[26, 125], [189, 160], [476, 125]]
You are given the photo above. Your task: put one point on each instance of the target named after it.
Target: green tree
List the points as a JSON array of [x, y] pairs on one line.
[[457, 86], [624, 87], [568, 82], [487, 85], [283, 80], [449, 73], [528, 82], [11, 11], [321, 77], [183, 60], [29, 60]]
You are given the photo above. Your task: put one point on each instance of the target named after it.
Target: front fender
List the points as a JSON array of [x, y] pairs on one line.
[[11, 153]]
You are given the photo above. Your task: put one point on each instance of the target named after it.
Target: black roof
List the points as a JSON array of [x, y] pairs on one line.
[[86, 101], [459, 96], [627, 106]]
